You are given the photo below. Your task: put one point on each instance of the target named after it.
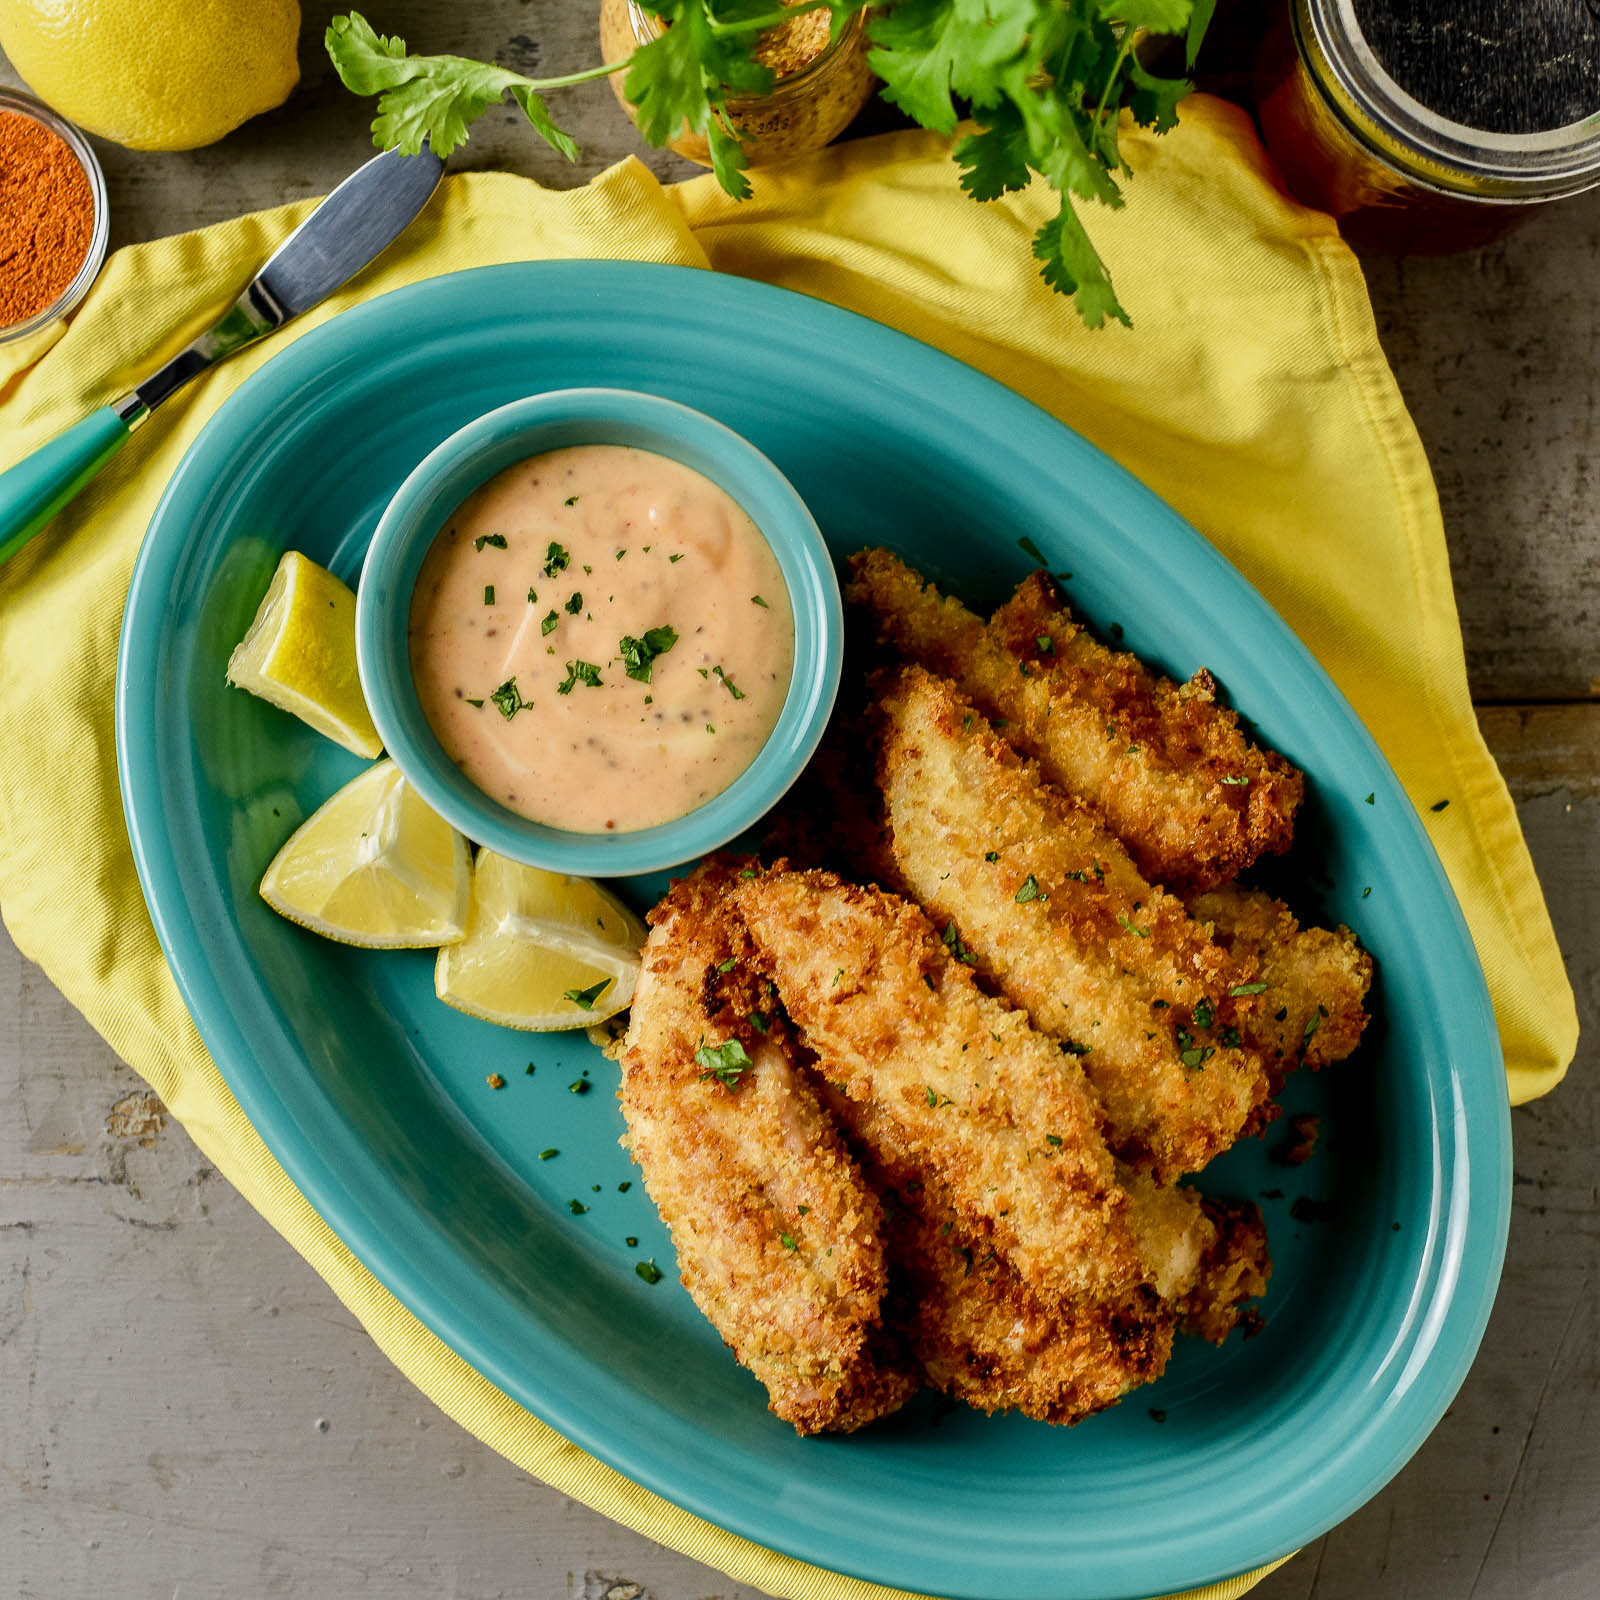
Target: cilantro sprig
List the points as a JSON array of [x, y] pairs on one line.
[[1045, 83]]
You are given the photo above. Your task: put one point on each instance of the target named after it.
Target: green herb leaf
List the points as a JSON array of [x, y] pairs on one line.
[[1142, 933], [756, 600], [556, 559], [576, 1207], [585, 672], [548, 626], [648, 1270], [587, 997], [498, 540], [952, 943], [638, 655], [488, 594], [728, 683], [1247, 988], [429, 97], [508, 699], [726, 1062], [1030, 890], [574, 603], [1203, 1014], [1237, 782], [788, 1241]]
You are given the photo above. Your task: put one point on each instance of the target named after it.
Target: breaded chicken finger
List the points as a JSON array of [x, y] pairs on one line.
[[777, 1237], [983, 1336], [1166, 766], [1313, 1009], [1031, 888], [956, 1083]]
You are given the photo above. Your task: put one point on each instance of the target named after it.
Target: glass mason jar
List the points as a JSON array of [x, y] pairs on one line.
[[1402, 175], [820, 85]]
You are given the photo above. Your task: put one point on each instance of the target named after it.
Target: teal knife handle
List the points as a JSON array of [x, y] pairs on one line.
[[39, 485]]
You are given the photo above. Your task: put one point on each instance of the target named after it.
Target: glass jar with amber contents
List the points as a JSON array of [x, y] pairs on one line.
[[1432, 125], [820, 83]]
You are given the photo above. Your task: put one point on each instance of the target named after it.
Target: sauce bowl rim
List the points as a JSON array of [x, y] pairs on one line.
[[534, 425]]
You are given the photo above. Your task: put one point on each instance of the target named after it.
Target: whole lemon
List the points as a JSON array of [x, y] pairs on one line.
[[155, 74]]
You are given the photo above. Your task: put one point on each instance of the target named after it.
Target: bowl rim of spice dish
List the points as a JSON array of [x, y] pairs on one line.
[[18, 102], [560, 419]]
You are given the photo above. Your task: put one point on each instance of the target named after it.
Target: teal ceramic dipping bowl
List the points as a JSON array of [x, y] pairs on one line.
[[556, 421]]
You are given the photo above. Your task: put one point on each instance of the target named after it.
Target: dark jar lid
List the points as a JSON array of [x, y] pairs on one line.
[[1431, 43]]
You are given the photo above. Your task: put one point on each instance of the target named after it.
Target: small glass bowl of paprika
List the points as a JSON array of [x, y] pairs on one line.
[[53, 215]]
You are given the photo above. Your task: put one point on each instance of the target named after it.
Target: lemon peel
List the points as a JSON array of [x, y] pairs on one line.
[[535, 940], [374, 867], [300, 654], [170, 76]]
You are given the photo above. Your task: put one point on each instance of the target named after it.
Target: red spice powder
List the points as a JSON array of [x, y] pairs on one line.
[[46, 217]]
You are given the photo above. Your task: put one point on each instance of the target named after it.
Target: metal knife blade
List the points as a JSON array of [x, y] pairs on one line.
[[351, 228]]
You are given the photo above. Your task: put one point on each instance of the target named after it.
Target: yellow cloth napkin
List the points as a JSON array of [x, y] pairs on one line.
[[1252, 394]]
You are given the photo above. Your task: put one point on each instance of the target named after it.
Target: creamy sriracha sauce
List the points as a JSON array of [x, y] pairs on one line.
[[601, 639]]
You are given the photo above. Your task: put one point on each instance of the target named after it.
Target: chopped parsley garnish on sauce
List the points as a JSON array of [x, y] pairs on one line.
[[638, 655], [648, 1270], [584, 672], [587, 997], [1247, 988], [556, 559], [574, 603], [549, 624], [677, 557], [756, 600], [571, 500], [1030, 890], [728, 683], [477, 703], [488, 594], [726, 1062], [498, 540], [508, 699]]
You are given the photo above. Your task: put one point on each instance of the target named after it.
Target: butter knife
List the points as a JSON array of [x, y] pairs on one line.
[[353, 226]]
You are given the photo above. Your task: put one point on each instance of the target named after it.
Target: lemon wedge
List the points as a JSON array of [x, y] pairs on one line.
[[543, 951], [300, 654], [374, 867]]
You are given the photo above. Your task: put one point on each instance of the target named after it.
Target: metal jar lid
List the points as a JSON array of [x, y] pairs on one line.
[[1429, 148]]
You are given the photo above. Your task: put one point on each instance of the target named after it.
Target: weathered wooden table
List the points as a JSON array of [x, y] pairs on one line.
[[186, 1410]]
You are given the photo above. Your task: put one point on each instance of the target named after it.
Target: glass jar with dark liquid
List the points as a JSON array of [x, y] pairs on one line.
[[1432, 125]]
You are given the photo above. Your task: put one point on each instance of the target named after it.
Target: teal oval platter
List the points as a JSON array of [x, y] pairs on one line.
[[1387, 1245]]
